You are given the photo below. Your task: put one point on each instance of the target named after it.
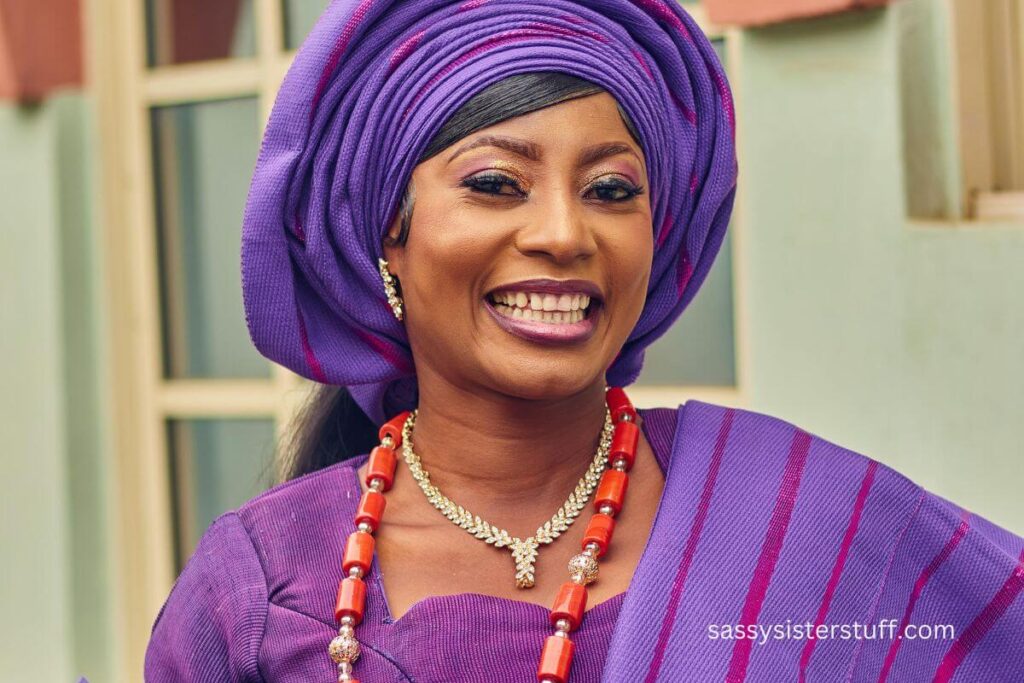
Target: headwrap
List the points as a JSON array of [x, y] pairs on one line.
[[368, 89]]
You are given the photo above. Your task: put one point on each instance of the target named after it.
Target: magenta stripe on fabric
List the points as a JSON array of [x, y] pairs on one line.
[[666, 228], [384, 350], [689, 114], [685, 271], [311, 360], [339, 50], [985, 620], [692, 541], [837, 568], [404, 50], [662, 12], [915, 593], [643, 64], [785, 500], [538, 30]]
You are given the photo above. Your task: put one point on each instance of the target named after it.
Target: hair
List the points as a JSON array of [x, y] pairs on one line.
[[331, 427]]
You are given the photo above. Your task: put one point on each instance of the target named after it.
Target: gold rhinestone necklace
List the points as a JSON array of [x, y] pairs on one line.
[[524, 551]]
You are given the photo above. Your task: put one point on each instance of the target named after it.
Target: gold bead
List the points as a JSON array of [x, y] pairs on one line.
[[583, 569], [344, 649]]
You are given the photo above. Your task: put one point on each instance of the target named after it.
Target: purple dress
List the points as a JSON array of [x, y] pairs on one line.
[[761, 527]]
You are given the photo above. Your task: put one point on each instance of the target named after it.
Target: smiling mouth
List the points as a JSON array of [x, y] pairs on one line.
[[553, 309]]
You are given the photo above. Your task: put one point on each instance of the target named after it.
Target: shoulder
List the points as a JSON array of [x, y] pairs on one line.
[[211, 624], [826, 480], [297, 527]]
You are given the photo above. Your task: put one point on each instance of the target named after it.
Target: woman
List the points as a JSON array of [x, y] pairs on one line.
[[467, 222]]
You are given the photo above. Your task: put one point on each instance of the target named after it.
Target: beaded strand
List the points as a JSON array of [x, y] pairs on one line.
[[570, 603]]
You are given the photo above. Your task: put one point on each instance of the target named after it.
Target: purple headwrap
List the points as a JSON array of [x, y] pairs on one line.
[[372, 84]]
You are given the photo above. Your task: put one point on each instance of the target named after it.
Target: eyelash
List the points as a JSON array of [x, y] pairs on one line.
[[476, 183]]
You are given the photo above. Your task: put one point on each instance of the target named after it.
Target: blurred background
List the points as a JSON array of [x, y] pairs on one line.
[[870, 289]]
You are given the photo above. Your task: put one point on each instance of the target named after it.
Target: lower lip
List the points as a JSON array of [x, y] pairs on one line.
[[548, 333]]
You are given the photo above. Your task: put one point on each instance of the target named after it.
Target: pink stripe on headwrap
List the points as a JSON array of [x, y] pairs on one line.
[[339, 50], [662, 12], [307, 350], [404, 50]]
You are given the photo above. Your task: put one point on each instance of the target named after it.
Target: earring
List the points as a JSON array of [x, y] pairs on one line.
[[389, 288]]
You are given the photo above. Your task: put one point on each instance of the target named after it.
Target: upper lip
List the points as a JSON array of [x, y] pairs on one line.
[[549, 286]]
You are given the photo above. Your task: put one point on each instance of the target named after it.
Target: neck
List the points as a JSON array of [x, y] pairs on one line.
[[512, 461]]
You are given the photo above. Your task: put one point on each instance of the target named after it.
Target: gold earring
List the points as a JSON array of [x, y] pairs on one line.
[[389, 288]]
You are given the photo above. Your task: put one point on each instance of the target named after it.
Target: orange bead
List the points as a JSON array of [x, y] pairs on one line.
[[569, 605], [599, 531], [619, 404], [358, 552], [371, 508], [612, 490], [394, 428], [555, 659], [381, 465], [624, 443], [351, 599]]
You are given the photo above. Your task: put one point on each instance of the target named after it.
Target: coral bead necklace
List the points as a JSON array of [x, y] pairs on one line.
[[571, 600]]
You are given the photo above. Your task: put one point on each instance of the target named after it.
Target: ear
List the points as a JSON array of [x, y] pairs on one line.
[[393, 252]]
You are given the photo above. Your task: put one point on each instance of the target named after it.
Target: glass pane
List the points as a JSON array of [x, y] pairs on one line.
[[204, 154], [299, 17], [196, 30], [215, 466], [700, 349]]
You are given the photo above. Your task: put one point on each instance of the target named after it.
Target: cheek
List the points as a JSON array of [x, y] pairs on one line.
[[448, 257]]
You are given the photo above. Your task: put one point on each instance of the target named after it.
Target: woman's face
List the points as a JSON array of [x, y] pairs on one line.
[[559, 194]]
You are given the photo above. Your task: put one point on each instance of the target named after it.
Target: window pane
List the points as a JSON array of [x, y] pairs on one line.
[[204, 155], [196, 30], [215, 466], [700, 349], [299, 17]]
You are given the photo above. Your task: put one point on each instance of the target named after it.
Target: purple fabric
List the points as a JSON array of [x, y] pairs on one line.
[[373, 82], [760, 522]]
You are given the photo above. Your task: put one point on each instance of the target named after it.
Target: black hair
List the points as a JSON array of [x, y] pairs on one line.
[[331, 427]]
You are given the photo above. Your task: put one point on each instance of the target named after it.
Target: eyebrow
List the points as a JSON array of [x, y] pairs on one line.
[[530, 151]]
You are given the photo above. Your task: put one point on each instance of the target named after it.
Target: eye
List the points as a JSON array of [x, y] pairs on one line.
[[615, 190], [492, 183]]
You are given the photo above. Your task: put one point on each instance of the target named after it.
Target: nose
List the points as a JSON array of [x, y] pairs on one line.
[[558, 230]]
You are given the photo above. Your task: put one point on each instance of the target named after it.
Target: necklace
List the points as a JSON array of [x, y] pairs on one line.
[[524, 551], [570, 603]]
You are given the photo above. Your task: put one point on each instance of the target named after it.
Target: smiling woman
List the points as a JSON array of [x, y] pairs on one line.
[[467, 223]]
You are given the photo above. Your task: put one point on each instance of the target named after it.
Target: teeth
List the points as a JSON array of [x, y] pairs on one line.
[[553, 317], [548, 303]]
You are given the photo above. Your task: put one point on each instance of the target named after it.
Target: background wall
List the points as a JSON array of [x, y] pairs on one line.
[[56, 594], [898, 338]]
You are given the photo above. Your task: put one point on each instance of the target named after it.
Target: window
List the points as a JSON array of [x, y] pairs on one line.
[[990, 70]]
